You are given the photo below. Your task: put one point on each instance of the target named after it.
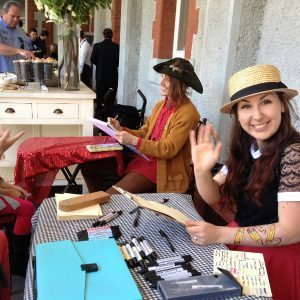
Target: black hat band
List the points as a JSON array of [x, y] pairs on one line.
[[258, 88]]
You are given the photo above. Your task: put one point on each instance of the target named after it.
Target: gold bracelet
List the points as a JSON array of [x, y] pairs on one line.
[[239, 236]]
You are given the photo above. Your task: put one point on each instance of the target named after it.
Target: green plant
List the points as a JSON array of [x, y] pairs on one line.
[[55, 10]]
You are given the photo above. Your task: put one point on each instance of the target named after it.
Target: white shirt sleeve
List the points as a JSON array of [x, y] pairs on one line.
[[84, 55]]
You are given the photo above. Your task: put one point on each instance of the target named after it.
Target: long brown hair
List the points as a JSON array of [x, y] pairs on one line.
[[266, 168], [178, 90]]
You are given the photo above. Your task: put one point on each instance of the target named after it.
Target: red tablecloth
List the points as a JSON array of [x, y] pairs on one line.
[[39, 160]]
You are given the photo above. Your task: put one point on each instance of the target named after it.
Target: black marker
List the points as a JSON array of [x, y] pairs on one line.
[[168, 272], [127, 256], [131, 254], [136, 219], [137, 255], [177, 258], [152, 255], [111, 217], [105, 217], [167, 266], [134, 210], [162, 201], [138, 247], [164, 235]]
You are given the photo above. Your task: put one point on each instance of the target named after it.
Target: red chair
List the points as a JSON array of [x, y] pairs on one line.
[[7, 223]]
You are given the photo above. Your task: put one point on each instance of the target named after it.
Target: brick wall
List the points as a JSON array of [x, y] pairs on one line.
[[192, 27], [116, 19], [163, 28]]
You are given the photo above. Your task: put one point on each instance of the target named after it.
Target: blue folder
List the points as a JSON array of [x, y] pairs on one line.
[[59, 274]]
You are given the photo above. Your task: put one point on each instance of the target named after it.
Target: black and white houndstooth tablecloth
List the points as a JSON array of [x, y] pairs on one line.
[[46, 228]]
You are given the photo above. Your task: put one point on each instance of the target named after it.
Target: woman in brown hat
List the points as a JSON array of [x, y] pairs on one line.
[[164, 138], [260, 179]]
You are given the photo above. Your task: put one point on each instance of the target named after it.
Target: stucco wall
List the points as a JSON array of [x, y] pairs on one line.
[[232, 34], [280, 43]]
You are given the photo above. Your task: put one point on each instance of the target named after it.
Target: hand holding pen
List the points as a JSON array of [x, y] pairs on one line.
[[113, 122]]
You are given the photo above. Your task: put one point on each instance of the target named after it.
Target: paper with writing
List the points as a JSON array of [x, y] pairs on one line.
[[90, 212], [248, 268], [111, 132], [104, 147], [157, 207]]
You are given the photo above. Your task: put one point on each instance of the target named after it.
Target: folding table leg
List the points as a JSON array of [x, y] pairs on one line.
[[70, 177]]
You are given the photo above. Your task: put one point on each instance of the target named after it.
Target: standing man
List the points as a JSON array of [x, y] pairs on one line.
[[105, 56], [85, 66], [43, 37], [14, 43], [36, 45]]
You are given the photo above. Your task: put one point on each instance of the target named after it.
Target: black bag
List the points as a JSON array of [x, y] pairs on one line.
[[128, 116]]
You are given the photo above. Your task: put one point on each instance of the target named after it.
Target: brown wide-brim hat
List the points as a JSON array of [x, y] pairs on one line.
[[253, 81], [181, 69]]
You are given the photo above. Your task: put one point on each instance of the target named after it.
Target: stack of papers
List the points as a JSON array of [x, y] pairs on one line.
[[91, 212], [248, 268]]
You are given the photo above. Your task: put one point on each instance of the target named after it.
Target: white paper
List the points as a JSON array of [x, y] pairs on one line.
[[111, 132], [248, 268], [90, 212]]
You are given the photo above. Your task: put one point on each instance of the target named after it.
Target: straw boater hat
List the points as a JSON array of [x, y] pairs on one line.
[[255, 80], [181, 69]]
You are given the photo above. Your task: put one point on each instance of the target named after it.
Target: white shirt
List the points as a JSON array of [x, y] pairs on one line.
[[85, 52]]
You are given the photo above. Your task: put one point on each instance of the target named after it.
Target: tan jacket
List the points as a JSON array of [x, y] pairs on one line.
[[173, 151]]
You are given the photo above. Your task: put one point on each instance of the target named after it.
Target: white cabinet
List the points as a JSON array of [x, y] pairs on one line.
[[53, 113]]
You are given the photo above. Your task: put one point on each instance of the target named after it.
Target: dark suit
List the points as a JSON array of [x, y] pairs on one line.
[[105, 56]]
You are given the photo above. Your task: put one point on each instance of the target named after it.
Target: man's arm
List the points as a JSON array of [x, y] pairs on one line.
[[8, 51]]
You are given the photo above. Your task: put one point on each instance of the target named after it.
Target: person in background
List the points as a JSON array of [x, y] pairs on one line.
[[42, 38], [5, 289], [13, 201], [105, 56], [85, 66], [260, 179], [164, 138], [36, 45], [14, 43], [53, 51]]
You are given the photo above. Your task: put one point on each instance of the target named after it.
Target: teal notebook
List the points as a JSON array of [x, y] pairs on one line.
[[59, 274]]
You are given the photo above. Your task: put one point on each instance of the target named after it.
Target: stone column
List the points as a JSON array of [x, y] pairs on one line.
[[130, 37]]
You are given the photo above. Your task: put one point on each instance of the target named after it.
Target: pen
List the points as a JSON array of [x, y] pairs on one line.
[[134, 210], [116, 214], [136, 219], [103, 218], [164, 235]]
